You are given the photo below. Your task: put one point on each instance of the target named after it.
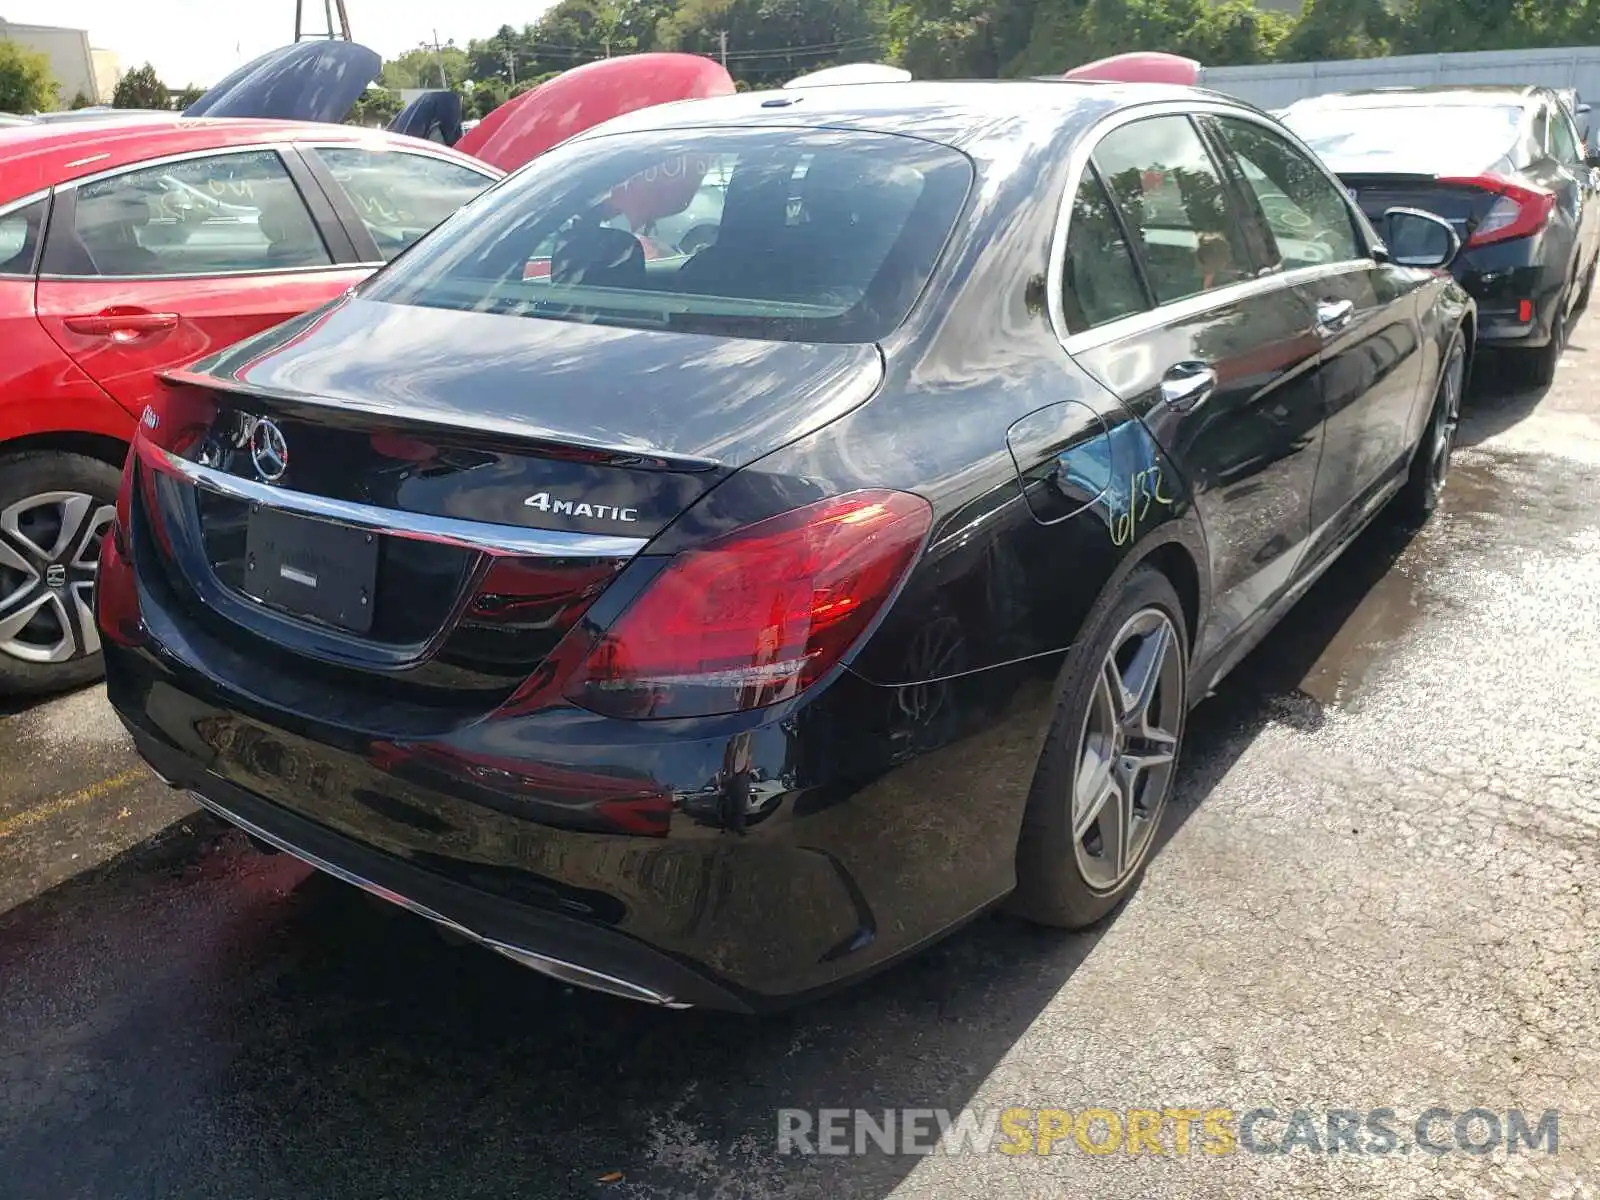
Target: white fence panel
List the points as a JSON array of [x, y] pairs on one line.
[[1278, 84]]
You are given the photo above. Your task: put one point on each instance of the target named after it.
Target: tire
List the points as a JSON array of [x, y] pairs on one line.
[[1073, 870], [1538, 367], [54, 508], [1430, 463]]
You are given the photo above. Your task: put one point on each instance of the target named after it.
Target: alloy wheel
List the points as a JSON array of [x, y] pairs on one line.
[[49, 554], [1446, 422], [1127, 750]]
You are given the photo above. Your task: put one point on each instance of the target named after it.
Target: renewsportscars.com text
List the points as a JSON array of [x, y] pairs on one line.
[[1172, 1131]]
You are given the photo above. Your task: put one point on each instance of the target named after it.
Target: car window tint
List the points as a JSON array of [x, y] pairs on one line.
[[816, 235], [1099, 280], [1564, 139], [399, 196], [1309, 216], [1174, 205], [205, 216], [20, 230]]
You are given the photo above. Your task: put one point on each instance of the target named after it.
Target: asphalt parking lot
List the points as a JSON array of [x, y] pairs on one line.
[[1380, 889]]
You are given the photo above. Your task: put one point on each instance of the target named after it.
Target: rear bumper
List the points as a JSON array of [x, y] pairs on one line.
[[846, 837], [567, 950], [1500, 277]]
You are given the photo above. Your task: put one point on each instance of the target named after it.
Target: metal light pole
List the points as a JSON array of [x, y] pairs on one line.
[[341, 30]]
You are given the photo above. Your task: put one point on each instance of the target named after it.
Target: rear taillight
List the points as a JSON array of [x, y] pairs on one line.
[[1517, 211], [758, 615]]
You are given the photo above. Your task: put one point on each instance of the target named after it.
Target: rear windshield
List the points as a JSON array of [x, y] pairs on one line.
[[813, 235], [1435, 139]]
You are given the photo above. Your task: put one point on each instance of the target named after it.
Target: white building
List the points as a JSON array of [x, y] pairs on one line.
[[77, 66]]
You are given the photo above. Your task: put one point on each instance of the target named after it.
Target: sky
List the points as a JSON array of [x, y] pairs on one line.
[[200, 41]]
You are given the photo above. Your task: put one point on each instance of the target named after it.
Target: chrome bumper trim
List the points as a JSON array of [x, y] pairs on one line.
[[474, 535], [554, 968]]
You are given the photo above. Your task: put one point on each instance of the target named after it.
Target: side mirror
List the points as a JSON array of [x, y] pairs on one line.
[[1414, 238]]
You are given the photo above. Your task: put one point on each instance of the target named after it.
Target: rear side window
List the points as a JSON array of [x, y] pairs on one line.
[[1172, 201], [20, 232], [221, 215], [803, 236], [400, 196], [1099, 281], [1564, 139]]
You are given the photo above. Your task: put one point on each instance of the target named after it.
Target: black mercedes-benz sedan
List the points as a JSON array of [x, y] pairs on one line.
[[712, 628], [1507, 168]]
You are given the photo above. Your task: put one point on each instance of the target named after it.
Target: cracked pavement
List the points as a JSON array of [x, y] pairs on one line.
[[1377, 889]]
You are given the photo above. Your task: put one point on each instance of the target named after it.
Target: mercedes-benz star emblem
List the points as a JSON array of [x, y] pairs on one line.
[[268, 450]]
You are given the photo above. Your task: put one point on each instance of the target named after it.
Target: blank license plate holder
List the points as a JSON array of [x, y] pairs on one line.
[[317, 570]]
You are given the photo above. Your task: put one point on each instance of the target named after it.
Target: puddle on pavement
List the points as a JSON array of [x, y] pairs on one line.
[[1498, 506]]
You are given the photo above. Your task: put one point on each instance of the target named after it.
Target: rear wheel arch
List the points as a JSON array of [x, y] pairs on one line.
[[1174, 560], [103, 447]]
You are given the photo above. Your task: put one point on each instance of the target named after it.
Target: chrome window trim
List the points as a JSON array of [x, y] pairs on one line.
[[491, 174], [277, 146], [164, 160], [1160, 314], [498, 540], [253, 272], [1202, 302], [11, 206]]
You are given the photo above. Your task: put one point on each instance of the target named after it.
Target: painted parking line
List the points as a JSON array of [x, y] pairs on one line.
[[61, 804]]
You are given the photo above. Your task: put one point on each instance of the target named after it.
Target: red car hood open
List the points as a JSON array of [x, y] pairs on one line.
[[1140, 67], [525, 126]]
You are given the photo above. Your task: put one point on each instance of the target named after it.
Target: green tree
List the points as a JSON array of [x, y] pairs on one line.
[[81, 99], [141, 88], [970, 39], [26, 84], [420, 68], [376, 108], [183, 97], [1432, 27], [771, 41]]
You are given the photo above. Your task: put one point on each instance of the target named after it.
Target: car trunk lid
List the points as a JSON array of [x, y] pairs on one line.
[[437, 496]]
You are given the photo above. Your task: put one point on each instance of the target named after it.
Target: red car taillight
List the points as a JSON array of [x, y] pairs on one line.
[[1517, 211], [758, 615]]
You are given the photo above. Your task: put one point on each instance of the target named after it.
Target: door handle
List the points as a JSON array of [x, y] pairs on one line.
[[121, 326], [1187, 385], [1334, 315]]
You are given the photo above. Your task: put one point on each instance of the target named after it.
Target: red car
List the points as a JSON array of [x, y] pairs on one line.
[[129, 247]]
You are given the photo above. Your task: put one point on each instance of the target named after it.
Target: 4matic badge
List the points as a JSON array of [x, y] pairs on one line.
[[573, 508]]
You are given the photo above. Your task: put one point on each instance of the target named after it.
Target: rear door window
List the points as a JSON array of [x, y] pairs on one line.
[[398, 196], [1310, 220], [20, 232], [1171, 197], [817, 235], [220, 215]]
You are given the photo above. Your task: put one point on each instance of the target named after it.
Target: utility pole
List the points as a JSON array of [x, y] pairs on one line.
[[511, 65], [722, 41]]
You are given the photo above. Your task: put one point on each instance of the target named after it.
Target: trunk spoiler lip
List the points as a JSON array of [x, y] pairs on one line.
[[527, 438]]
